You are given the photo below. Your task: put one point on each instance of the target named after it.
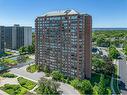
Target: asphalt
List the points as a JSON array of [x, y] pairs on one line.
[[123, 76]]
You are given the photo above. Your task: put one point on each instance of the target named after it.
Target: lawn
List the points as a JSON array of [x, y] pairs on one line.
[[26, 83], [9, 61], [8, 53], [32, 68], [8, 75], [13, 89]]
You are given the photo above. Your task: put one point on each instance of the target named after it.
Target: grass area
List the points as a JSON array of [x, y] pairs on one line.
[[9, 61], [8, 75], [5, 54], [32, 68], [26, 83], [8, 53], [115, 82], [13, 89]]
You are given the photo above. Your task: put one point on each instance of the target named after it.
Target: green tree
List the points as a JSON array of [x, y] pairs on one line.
[[56, 75], [23, 50], [98, 64], [31, 49], [86, 87], [76, 83], [47, 87], [21, 59], [113, 52], [101, 86], [125, 49], [95, 90], [102, 42], [46, 69], [109, 92]]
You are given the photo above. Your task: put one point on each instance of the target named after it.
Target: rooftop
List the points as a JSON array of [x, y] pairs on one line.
[[61, 12]]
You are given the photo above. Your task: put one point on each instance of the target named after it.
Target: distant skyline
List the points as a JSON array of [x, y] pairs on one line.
[[105, 13]]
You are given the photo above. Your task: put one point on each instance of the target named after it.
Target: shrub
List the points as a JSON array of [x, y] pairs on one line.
[[56, 75], [9, 75], [32, 68]]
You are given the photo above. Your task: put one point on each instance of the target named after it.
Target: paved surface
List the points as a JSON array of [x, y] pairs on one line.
[[68, 90], [123, 76], [4, 81], [65, 88], [122, 66], [3, 93], [21, 71]]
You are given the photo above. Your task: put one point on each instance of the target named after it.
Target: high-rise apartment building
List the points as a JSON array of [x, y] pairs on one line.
[[1, 39], [63, 42], [17, 36]]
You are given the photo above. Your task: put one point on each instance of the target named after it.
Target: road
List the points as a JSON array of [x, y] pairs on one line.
[[123, 76], [122, 67], [21, 71]]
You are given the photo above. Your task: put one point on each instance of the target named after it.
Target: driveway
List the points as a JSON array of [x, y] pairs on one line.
[[21, 71], [65, 88]]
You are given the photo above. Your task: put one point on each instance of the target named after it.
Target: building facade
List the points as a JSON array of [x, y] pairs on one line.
[[2, 39], [17, 36], [63, 42]]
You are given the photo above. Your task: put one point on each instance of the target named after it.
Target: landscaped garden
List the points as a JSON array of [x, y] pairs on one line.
[[32, 68], [26, 83], [14, 89], [8, 75], [9, 61]]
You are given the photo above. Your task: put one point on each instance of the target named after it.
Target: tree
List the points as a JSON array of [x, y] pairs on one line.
[[125, 49], [101, 86], [46, 69], [31, 49], [113, 52], [47, 87], [23, 50], [86, 87], [76, 83], [21, 59], [102, 42], [56, 75], [98, 64], [109, 92], [95, 90]]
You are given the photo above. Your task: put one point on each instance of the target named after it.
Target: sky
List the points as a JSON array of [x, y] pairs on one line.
[[105, 13]]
